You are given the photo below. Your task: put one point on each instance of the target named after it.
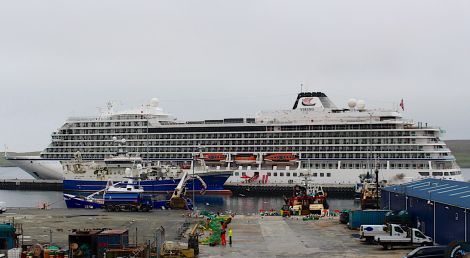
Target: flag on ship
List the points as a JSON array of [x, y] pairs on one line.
[[402, 105]]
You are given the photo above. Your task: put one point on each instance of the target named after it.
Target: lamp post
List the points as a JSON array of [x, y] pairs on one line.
[[377, 186], [194, 164]]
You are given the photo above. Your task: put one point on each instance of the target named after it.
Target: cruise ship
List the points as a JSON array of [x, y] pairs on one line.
[[315, 138]]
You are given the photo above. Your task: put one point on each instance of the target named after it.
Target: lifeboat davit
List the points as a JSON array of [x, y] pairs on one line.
[[214, 157], [245, 159], [281, 157]]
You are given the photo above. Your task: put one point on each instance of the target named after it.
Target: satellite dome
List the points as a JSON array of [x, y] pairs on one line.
[[114, 138], [154, 102], [361, 105], [139, 166], [352, 103]]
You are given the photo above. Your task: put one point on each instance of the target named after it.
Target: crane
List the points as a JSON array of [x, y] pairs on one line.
[[177, 200]]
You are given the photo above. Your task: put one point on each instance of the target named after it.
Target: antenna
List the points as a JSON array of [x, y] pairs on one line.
[[301, 87]]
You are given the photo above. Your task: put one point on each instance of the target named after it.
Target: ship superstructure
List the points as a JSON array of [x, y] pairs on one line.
[[333, 145]]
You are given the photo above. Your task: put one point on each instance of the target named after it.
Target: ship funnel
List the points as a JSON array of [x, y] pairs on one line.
[[313, 101]]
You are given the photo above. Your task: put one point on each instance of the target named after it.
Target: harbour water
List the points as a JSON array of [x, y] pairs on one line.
[[237, 204]]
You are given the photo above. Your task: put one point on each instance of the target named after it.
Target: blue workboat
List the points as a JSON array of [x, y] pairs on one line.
[[214, 180], [96, 199], [82, 177]]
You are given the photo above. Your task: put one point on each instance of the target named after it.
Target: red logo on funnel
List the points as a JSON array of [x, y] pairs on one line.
[[308, 102]]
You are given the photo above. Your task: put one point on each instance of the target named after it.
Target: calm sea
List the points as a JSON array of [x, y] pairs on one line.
[[238, 204]]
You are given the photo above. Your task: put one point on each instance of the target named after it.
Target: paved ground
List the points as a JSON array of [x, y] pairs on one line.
[[278, 237], [38, 224], [254, 236]]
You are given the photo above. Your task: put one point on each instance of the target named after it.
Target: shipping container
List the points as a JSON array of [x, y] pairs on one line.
[[112, 239], [7, 236], [82, 243], [366, 217]]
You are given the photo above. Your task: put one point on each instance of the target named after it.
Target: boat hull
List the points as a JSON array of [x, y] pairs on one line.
[[72, 201], [77, 202], [215, 185]]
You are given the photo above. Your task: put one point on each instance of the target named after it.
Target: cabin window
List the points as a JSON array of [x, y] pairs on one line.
[[424, 173], [399, 230], [322, 174], [437, 173], [446, 173], [269, 173], [275, 173], [243, 173], [287, 174], [301, 174], [236, 173], [281, 174], [315, 174], [328, 174], [294, 174]]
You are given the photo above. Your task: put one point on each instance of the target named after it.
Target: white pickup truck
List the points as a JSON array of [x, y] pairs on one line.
[[414, 237], [369, 232]]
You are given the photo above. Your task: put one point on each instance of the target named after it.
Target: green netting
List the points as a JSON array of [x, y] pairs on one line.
[[214, 226]]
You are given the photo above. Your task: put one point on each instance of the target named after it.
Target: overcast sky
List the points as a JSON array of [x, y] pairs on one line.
[[214, 59]]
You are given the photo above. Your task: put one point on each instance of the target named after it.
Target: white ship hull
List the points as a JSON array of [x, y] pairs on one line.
[[39, 168], [337, 176], [52, 170]]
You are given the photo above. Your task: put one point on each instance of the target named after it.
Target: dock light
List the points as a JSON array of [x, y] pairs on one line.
[[430, 203], [377, 187]]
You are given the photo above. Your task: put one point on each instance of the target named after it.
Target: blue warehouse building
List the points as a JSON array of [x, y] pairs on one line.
[[439, 208]]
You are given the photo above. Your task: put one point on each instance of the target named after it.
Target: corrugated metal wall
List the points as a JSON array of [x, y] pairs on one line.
[[422, 214], [468, 226], [450, 224], [397, 202], [384, 200]]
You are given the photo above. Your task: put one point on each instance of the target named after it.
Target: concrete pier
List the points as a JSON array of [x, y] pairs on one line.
[[274, 237], [31, 185], [253, 236]]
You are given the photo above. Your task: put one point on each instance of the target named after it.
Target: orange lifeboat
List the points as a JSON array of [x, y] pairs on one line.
[[281, 157], [245, 159], [214, 156]]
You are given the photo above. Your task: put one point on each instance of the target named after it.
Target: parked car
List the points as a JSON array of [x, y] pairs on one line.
[[427, 252]]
